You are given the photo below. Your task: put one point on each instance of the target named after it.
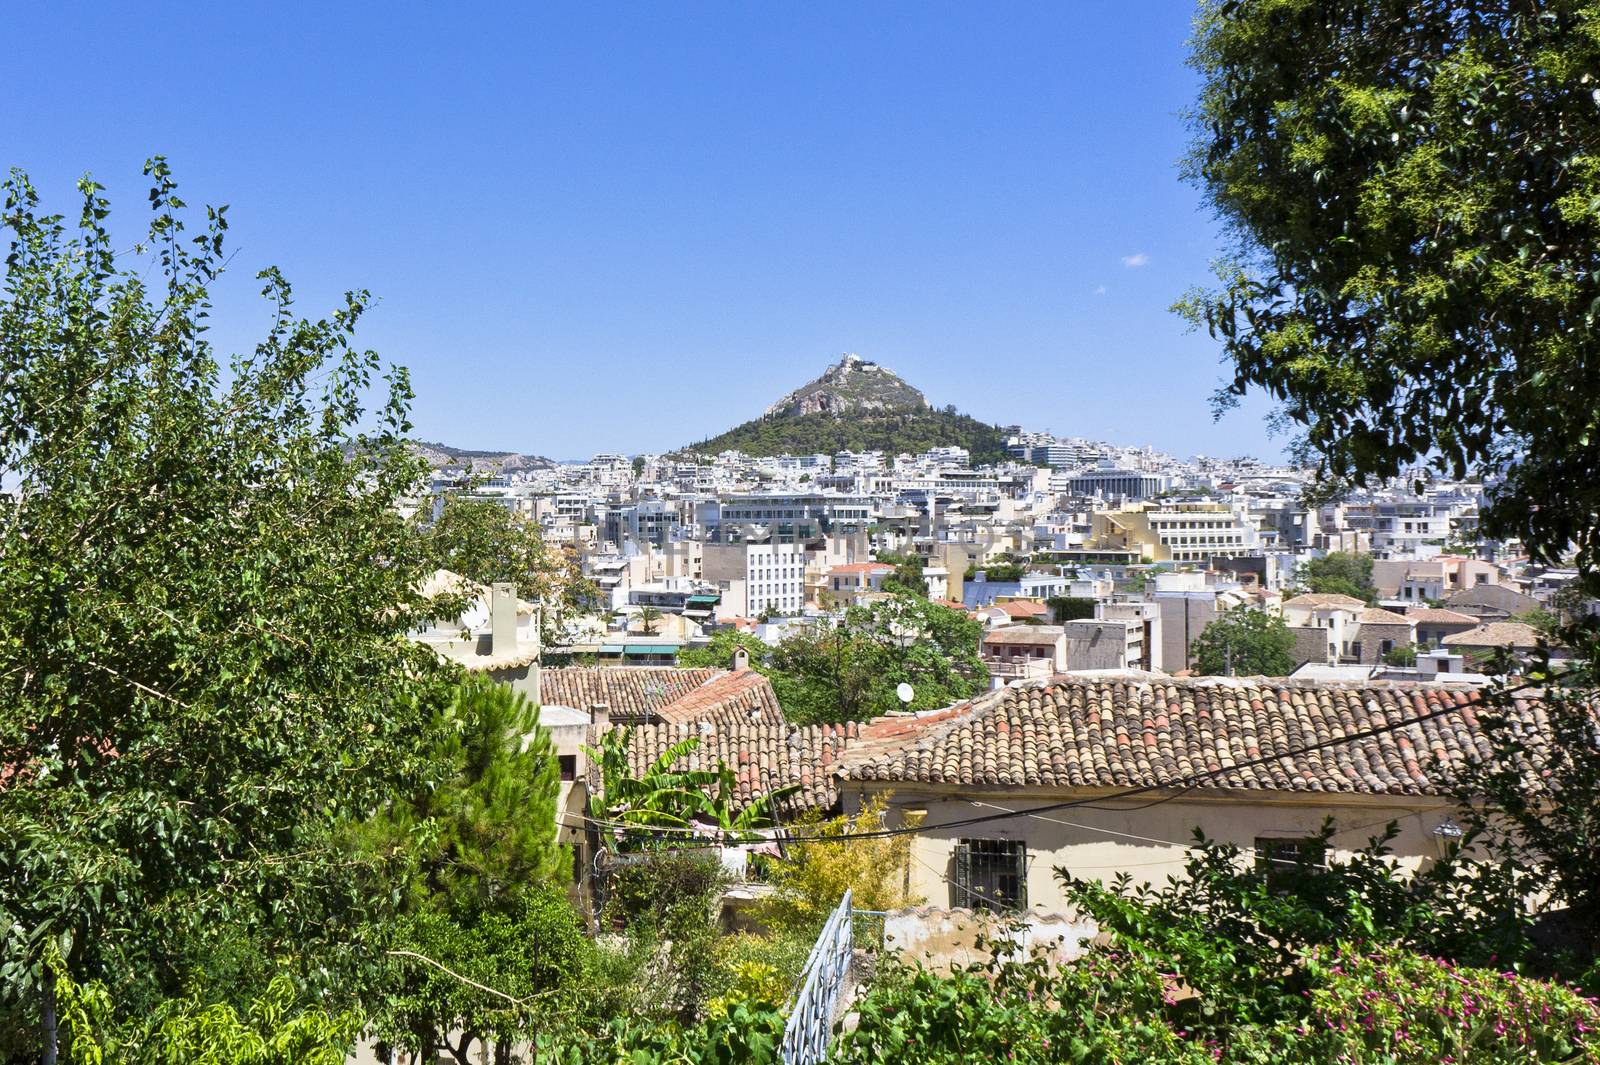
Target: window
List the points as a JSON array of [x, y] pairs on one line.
[[1287, 860], [569, 766], [989, 874]]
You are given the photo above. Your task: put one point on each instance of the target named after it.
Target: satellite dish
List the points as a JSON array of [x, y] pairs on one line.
[[903, 690]]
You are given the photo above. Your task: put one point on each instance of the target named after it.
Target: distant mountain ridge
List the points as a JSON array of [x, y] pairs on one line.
[[857, 405], [441, 455]]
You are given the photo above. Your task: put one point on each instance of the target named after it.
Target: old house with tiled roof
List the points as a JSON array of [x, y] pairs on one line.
[[637, 695], [1085, 741]]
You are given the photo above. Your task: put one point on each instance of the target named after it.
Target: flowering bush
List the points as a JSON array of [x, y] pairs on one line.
[[1397, 1007]]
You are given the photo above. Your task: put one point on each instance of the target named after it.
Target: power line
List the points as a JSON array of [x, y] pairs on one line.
[[1184, 784]]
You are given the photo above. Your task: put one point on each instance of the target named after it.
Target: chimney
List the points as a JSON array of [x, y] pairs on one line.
[[503, 619], [600, 716], [741, 660]]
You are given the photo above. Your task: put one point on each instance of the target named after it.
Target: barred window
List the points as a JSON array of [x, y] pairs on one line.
[[989, 874]]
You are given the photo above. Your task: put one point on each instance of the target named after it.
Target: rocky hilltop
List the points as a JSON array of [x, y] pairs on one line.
[[856, 405], [850, 386]]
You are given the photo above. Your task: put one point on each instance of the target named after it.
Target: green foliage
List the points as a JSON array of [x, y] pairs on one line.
[[894, 432], [1408, 1009], [483, 541], [745, 1034], [850, 673], [665, 797], [811, 879], [1245, 642], [1411, 291], [487, 829], [1402, 656], [907, 577], [667, 902], [205, 587], [1338, 573], [718, 654], [1555, 826], [531, 953], [1239, 934], [1100, 1009], [276, 1029], [1069, 608], [1005, 572]]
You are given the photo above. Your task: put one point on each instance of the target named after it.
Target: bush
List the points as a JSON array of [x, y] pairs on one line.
[[1406, 1008], [814, 876]]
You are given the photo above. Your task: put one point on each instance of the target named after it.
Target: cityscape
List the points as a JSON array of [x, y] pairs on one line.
[[1027, 533]]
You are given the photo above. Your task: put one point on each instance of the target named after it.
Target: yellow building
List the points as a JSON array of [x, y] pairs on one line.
[[1173, 532]]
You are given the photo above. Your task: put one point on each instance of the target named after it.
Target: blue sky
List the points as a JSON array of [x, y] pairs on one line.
[[628, 226]]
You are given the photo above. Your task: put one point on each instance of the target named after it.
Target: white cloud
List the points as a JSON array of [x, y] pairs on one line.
[[1136, 260], [1099, 290]]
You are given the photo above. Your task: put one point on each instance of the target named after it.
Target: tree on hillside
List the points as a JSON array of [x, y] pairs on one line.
[[1338, 573], [205, 588], [1415, 195], [485, 542], [1245, 642]]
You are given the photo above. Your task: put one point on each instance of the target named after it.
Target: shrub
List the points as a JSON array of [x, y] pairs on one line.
[[1406, 1008]]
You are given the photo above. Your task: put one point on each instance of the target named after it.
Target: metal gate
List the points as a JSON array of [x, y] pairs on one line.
[[805, 1036]]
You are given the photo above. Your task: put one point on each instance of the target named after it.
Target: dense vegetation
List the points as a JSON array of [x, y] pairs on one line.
[[1414, 194], [1338, 573], [891, 431], [1245, 642]]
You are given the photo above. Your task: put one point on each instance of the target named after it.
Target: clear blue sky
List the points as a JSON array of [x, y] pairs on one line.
[[627, 226]]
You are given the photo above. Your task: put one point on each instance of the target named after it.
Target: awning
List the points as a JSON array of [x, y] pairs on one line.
[[651, 649], [713, 600], [611, 648]]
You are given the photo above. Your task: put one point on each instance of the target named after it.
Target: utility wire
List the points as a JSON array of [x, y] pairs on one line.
[[1184, 784]]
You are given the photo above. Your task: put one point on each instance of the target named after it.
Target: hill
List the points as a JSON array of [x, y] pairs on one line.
[[439, 455], [857, 406]]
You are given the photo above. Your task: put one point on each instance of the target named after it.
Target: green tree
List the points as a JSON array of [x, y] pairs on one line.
[[510, 970], [487, 879], [907, 576], [1069, 608], [649, 618], [718, 654], [1244, 642], [485, 542], [1402, 656], [851, 672], [486, 830], [205, 589], [1415, 196], [1338, 573]]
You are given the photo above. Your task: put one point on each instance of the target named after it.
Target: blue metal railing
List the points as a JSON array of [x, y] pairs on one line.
[[810, 1025]]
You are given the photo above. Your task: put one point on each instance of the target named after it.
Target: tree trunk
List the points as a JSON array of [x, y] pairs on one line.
[[47, 1016]]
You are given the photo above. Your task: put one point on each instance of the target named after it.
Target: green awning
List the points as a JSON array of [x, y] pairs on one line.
[[611, 648], [652, 649], [713, 599]]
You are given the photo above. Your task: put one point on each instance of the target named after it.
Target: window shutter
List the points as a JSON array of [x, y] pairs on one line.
[[1019, 853], [961, 876]]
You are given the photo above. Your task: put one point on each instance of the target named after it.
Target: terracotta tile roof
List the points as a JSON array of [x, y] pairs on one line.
[[1314, 600], [1147, 731], [861, 567], [725, 699], [1023, 608], [1496, 634], [636, 694], [763, 756]]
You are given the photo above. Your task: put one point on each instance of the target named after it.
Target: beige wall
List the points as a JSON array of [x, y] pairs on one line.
[[1098, 844]]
